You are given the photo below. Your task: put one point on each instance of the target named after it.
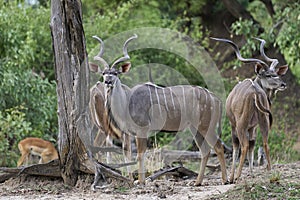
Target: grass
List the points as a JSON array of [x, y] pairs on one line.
[[262, 190], [273, 186]]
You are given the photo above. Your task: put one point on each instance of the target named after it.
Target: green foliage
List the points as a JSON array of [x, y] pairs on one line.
[[282, 31], [281, 146], [289, 37], [27, 97], [13, 128], [249, 30], [35, 94], [128, 15], [25, 38], [25, 42]]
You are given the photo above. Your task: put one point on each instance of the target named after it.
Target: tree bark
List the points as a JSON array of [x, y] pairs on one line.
[[238, 11], [72, 77], [269, 6]]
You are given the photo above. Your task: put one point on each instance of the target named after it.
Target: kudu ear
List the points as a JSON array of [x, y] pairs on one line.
[[282, 70], [125, 67], [94, 68], [259, 68]]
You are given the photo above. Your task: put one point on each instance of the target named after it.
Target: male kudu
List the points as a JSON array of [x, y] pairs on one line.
[[148, 107], [105, 134], [249, 105]]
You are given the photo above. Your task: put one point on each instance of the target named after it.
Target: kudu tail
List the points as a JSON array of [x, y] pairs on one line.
[[263, 109]]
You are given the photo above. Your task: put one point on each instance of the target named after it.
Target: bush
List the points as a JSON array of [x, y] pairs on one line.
[[27, 96], [13, 129]]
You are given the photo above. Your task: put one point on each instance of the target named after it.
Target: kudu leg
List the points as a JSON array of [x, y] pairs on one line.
[[205, 151], [219, 149], [244, 142], [99, 141], [235, 154], [252, 139], [127, 152], [141, 144], [109, 143], [214, 141], [251, 155], [264, 128], [267, 150]]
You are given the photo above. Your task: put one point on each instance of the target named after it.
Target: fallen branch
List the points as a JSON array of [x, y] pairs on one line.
[[52, 169], [104, 171], [116, 166], [170, 156], [48, 169], [178, 171], [95, 149]]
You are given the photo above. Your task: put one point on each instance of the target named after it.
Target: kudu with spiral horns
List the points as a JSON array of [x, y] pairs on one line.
[[249, 105], [148, 107]]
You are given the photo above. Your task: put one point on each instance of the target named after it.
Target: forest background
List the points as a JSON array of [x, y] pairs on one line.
[[28, 101]]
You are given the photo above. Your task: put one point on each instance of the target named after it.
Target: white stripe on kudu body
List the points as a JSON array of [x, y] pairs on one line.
[[186, 102], [151, 101], [172, 98], [167, 108], [158, 101]]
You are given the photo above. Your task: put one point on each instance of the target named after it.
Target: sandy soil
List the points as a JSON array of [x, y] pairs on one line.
[[30, 187]]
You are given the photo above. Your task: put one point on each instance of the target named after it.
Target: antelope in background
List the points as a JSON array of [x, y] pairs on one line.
[[249, 105], [37, 147], [148, 107]]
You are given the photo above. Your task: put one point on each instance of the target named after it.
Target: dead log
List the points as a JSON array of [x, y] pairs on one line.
[[95, 149], [50, 169], [170, 156], [178, 171], [6, 176], [116, 166], [46, 169]]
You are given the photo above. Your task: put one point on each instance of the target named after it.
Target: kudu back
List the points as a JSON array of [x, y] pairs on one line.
[[148, 107], [248, 106]]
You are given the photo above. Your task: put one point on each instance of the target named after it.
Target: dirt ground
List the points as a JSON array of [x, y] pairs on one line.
[[30, 187]]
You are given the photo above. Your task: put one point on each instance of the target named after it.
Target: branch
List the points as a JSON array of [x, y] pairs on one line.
[[178, 171], [51, 169]]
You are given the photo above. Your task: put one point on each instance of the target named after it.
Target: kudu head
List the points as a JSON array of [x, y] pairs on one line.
[[110, 73], [268, 76]]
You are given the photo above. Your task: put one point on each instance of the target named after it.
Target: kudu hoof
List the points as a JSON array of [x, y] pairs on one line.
[[138, 183], [198, 183], [232, 181]]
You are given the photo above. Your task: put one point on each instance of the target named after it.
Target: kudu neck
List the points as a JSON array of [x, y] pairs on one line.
[[269, 92]]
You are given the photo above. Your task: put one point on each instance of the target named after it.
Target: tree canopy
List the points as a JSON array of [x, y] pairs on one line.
[[27, 88]]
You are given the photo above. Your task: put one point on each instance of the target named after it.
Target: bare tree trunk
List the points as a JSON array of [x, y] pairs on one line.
[[71, 70], [270, 7]]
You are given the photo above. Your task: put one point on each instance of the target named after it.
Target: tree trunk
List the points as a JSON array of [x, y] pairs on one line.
[[72, 77]]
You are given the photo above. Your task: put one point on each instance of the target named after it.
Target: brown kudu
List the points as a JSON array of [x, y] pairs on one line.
[[249, 105], [148, 107]]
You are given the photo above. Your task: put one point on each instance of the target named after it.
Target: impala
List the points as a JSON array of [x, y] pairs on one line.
[[37, 147]]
